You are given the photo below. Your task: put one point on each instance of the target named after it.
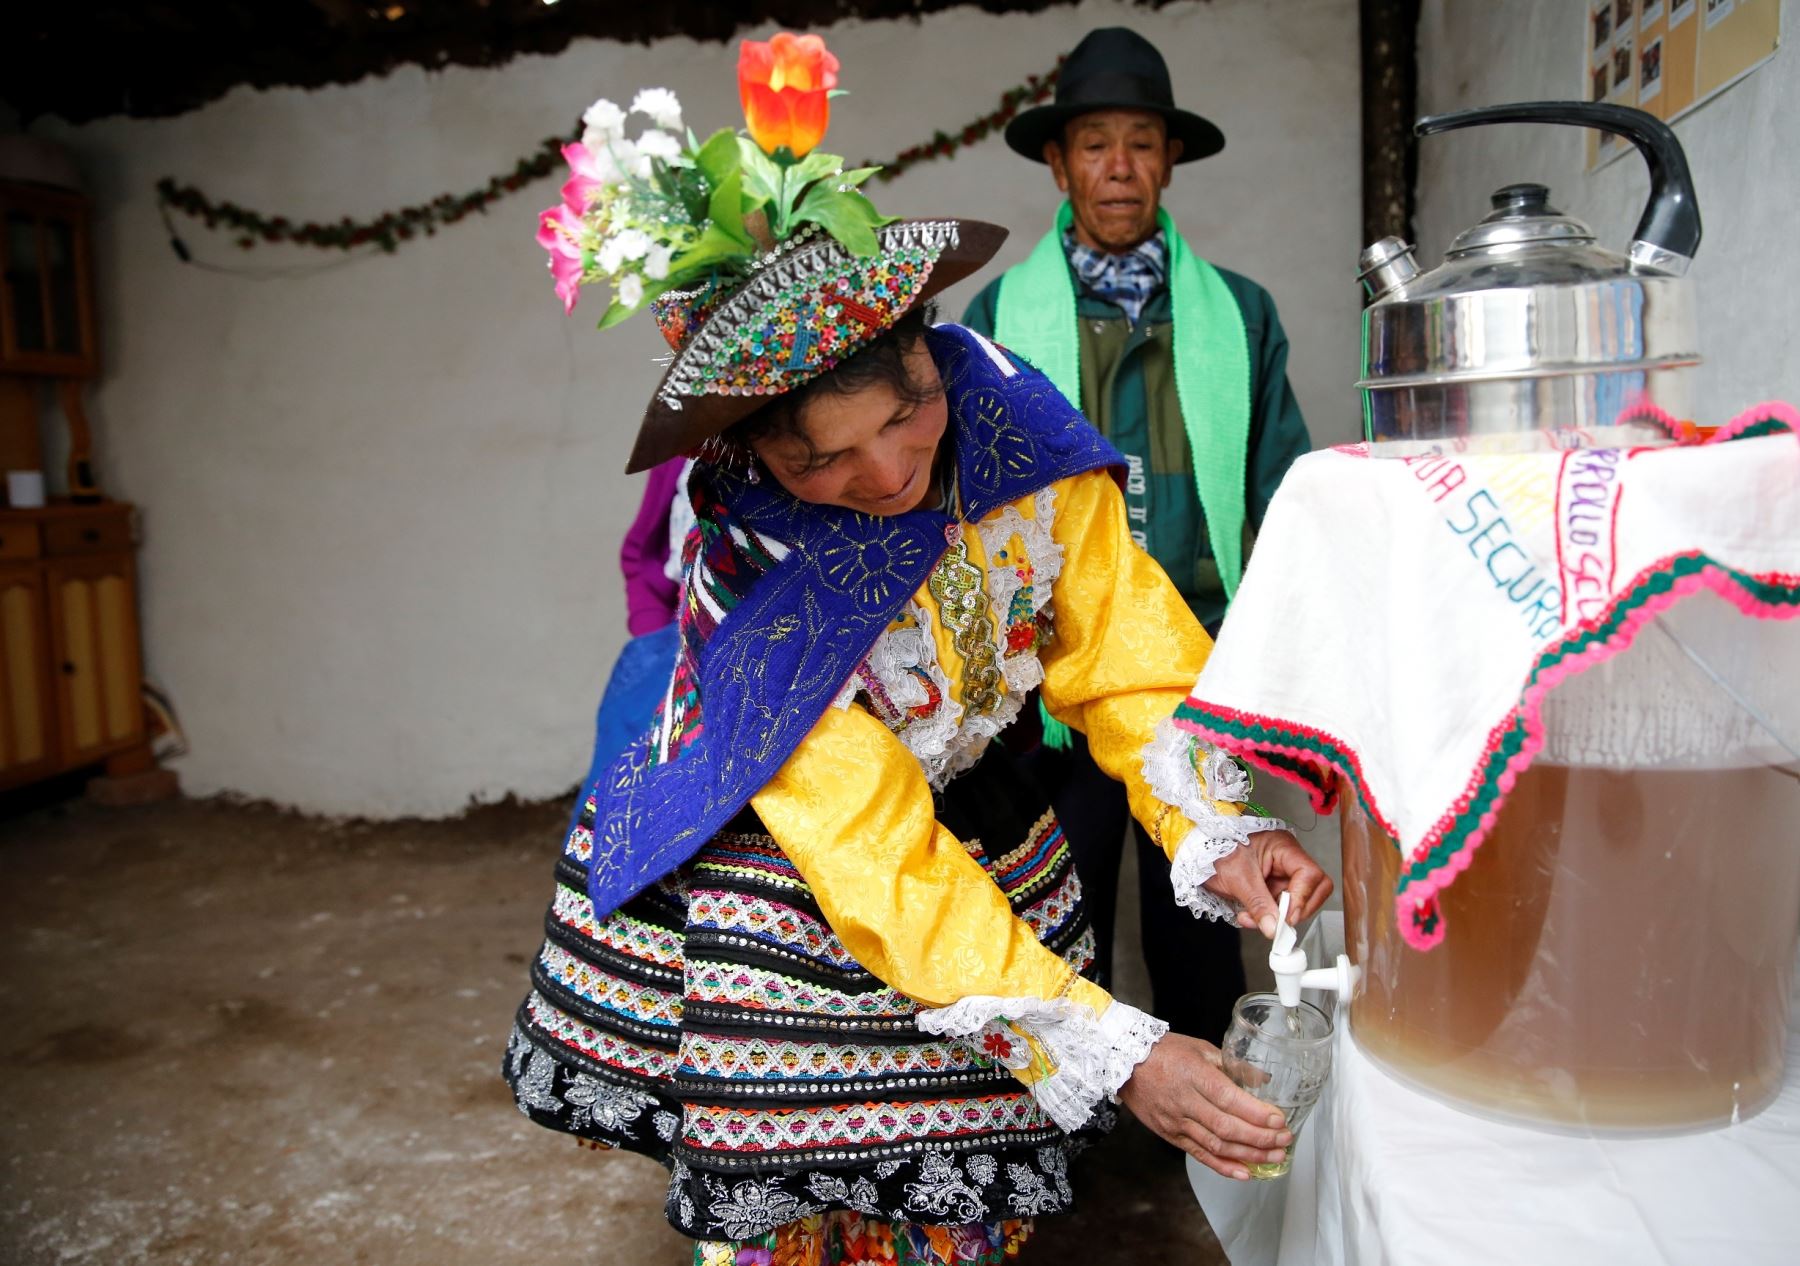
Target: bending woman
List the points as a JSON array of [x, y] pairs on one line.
[[816, 943]]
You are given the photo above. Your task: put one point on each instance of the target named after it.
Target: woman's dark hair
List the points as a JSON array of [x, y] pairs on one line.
[[881, 363]]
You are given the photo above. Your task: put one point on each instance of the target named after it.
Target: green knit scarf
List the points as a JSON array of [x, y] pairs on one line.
[[1036, 318]]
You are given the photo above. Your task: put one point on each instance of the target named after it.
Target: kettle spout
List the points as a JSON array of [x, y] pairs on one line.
[[1386, 267]]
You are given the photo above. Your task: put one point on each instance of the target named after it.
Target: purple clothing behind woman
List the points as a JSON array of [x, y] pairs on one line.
[[651, 597]]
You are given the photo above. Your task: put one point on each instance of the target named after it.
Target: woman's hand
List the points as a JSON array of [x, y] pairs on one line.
[[1257, 875], [1182, 1093]]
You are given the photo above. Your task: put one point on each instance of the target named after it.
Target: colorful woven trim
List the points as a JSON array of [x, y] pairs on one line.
[[752, 988], [810, 304], [599, 1045], [759, 919], [726, 1129], [1035, 862], [1311, 758], [739, 1058]]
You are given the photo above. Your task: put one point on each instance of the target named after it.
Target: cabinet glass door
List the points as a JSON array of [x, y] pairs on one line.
[[62, 284], [46, 317], [25, 284]]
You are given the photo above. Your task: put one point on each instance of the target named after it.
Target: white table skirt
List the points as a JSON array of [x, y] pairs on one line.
[[1384, 1174]]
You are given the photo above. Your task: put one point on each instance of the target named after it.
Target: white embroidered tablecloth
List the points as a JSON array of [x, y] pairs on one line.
[[1386, 1176], [1404, 620]]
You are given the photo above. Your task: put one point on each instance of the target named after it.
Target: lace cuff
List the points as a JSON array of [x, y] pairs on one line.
[[1174, 762], [1199, 856], [1092, 1055]]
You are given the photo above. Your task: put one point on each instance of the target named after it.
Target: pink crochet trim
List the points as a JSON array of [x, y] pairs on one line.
[[1322, 794], [1644, 411], [1772, 410]]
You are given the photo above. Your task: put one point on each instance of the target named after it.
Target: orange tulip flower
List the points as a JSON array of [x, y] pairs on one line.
[[784, 85]]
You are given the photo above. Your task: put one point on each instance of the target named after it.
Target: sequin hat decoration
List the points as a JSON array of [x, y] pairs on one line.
[[759, 257], [808, 306]]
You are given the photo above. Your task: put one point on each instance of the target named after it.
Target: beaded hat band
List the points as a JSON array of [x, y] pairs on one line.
[[807, 306]]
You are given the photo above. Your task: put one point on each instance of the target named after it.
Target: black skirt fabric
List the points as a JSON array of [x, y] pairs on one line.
[[717, 1024]]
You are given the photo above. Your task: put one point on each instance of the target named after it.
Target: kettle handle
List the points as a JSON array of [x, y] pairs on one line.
[[1668, 233]]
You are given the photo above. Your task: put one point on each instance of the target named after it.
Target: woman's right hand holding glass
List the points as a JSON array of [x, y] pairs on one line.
[[1181, 1092]]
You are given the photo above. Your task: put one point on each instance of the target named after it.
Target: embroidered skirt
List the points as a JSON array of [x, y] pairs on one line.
[[716, 1023]]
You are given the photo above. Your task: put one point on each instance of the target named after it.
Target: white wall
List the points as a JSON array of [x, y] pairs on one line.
[[1743, 147], [382, 500]]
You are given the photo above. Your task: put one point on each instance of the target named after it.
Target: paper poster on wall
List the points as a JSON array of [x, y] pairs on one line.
[[1668, 56]]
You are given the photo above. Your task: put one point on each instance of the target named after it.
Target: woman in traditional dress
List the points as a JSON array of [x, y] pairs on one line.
[[816, 943]]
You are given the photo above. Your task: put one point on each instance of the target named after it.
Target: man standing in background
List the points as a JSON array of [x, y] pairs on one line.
[[1183, 366]]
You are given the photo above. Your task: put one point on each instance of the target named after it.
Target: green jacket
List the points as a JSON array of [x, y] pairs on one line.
[[1128, 393]]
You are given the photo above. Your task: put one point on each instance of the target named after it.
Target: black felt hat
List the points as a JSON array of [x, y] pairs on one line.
[[1113, 69]]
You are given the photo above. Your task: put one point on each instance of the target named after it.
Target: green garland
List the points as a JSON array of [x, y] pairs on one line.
[[424, 219]]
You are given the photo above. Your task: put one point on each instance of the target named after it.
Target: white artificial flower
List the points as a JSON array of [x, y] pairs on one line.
[[632, 243], [606, 168], [657, 144], [659, 106], [631, 290], [626, 159], [1226, 779], [609, 258], [656, 263], [603, 122]]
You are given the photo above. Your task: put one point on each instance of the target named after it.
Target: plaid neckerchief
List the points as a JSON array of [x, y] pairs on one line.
[[1128, 280]]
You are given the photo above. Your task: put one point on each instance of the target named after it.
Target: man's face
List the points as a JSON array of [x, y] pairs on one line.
[[1114, 165]]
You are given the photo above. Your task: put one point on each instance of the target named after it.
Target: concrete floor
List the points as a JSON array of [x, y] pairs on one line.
[[233, 1034]]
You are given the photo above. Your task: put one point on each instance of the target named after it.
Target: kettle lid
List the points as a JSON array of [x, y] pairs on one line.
[[1522, 215]]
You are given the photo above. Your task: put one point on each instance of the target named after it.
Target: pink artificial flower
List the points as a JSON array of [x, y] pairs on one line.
[[560, 231], [587, 172]]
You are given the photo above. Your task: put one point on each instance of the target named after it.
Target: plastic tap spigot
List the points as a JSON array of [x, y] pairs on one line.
[[1288, 963]]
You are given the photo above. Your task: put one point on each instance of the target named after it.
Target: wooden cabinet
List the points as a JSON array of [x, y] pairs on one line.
[[46, 284], [28, 746], [71, 684]]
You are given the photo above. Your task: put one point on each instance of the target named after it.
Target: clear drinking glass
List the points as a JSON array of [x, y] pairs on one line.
[[1282, 1055]]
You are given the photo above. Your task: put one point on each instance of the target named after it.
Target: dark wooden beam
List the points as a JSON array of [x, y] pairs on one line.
[[1390, 43], [84, 62]]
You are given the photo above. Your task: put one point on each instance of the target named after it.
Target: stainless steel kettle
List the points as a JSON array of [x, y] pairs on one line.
[[1530, 335]]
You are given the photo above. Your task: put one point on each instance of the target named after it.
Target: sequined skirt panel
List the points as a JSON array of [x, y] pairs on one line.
[[717, 1024]]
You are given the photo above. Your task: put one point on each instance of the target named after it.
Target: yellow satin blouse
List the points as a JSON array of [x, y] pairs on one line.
[[1049, 590]]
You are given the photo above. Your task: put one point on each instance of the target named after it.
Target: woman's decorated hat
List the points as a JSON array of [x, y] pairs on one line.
[[758, 256]]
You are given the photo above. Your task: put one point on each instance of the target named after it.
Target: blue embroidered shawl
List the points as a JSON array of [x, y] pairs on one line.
[[780, 656]]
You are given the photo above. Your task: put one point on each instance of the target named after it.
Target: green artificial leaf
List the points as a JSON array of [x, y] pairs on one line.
[[856, 175], [663, 178], [716, 249], [615, 313], [849, 217], [696, 190], [812, 167], [726, 208], [833, 94], [762, 178], [718, 158], [816, 168]]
